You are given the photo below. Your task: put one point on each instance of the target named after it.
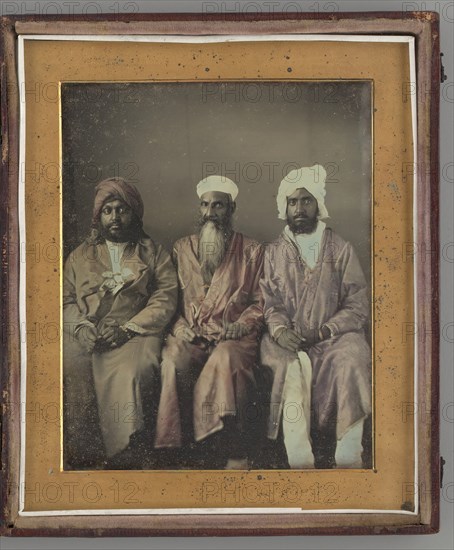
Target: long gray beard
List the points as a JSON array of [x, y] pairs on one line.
[[212, 246]]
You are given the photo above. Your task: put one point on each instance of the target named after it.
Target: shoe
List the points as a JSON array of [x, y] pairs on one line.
[[124, 460], [135, 456], [237, 464]]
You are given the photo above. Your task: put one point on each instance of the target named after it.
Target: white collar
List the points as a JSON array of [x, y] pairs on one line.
[[112, 243], [116, 252], [309, 244]]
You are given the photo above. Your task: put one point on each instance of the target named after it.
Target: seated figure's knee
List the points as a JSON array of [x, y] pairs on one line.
[[229, 355]]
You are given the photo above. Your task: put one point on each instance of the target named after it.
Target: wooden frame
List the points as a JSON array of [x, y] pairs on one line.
[[421, 26]]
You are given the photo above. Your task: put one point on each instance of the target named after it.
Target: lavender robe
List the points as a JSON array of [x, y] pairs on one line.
[[210, 384], [335, 293]]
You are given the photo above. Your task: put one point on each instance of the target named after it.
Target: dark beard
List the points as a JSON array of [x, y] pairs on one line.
[[214, 239], [127, 234], [303, 226]]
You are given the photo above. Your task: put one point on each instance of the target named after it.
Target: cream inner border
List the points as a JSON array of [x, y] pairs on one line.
[[23, 267]]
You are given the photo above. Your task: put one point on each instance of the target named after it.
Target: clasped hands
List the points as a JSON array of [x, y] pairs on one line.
[[110, 336], [296, 340], [231, 331]]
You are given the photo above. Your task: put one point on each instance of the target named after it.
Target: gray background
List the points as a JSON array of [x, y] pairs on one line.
[[443, 540], [167, 137]]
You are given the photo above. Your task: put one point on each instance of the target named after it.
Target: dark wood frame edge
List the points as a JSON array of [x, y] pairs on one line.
[[9, 378]]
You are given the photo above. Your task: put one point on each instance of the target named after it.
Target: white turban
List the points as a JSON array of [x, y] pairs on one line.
[[312, 179], [219, 184]]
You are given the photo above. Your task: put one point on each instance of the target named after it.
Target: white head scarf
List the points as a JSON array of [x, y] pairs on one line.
[[219, 184], [312, 179]]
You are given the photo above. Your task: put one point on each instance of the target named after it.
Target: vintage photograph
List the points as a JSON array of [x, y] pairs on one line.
[[218, 275], [221, 315]]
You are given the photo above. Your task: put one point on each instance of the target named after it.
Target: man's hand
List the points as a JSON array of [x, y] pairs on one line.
[[234, 331], [310, 337], [87, 336], [112, 336], [289, 339], [185, 333], [325, 333]]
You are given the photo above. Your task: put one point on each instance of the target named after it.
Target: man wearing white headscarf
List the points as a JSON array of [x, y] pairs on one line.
[[316, 309], [208, 362]]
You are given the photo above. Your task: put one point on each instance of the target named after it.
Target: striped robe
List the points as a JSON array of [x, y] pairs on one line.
[[202, 386]]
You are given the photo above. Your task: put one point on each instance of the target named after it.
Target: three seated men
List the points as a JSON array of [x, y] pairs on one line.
[[307, 288]]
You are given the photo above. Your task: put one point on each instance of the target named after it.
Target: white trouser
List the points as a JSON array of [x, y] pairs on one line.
[[349, 448], [296, 419]]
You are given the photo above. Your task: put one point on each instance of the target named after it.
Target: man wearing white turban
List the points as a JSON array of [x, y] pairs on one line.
[[316, 309], [208, 362]]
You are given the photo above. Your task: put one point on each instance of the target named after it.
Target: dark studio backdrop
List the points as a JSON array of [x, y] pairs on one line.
[[166, 137]]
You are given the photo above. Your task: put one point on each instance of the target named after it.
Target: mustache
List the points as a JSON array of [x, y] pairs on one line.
[[203, 220]]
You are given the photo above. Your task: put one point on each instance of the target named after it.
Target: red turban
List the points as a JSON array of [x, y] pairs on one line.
[[116, 189]]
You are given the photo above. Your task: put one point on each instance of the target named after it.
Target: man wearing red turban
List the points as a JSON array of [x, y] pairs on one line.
[[119, 295]]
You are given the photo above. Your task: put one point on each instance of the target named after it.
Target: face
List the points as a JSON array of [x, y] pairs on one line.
[[302, 211], [116, 221], [216, 207]]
